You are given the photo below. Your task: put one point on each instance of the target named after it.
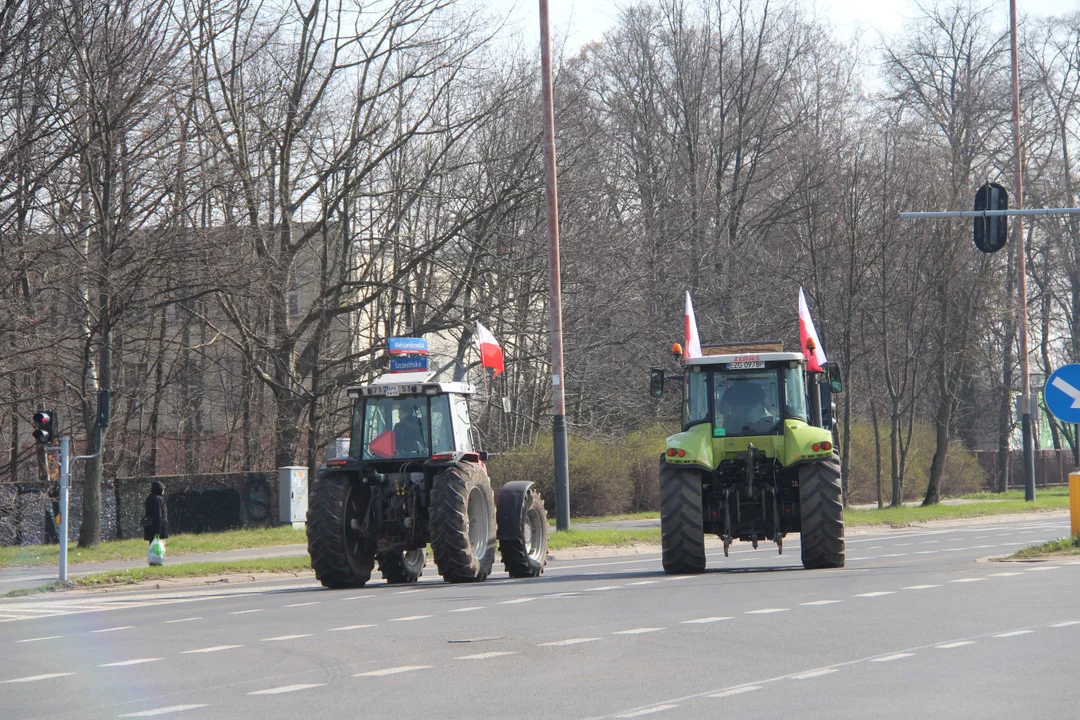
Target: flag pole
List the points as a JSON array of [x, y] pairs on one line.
[[558, 380]]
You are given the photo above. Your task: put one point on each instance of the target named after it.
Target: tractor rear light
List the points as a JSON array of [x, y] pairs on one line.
[[826, 446], [817, 447], [672, 452], [682, 453], [443, 456], [337, 463]]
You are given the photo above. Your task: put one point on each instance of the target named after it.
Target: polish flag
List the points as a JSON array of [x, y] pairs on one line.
[[693, 342], [491, 355], [808, 338]]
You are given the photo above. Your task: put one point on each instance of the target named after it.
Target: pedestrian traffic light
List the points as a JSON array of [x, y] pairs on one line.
[[991, 233], [44, 426]]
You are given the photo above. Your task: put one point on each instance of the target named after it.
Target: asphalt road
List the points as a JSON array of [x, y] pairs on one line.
[[913, 626]]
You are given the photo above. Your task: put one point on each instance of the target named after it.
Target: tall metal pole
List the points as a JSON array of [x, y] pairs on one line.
[[558, 380], [1021, 271], [65, 484]]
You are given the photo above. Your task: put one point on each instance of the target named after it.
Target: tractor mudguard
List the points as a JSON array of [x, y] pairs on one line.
[[691, 447], [508, 508], [799, 441]]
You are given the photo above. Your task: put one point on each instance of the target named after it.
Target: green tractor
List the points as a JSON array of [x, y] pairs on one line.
[[412, 478], [755, 459]]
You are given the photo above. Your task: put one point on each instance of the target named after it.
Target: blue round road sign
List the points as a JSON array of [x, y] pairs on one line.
[[1062, 394]]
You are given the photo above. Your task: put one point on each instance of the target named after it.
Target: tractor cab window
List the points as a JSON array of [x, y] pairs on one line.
[[695, 396], [462, 423], [395, 428], [442, 431], [794, 393], [747, 403]]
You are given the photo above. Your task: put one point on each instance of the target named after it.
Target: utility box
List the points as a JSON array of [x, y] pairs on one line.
[[293, 495]]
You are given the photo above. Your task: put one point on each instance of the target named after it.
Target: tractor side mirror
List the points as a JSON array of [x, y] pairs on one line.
[[656, 382], [836, 382]]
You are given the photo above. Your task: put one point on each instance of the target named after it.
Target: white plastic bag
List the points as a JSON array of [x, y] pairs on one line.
[[156, 554]]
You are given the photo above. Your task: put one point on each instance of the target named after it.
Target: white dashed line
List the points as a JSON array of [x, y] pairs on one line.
[[114, 629], [820, 602], [358, 597], [305, 604], [892, 555], [702, 621], [735, 691], [469, 609], [647, 711], [284, 637], [643, 582], [680, 577], [123, 663], [215, 648], [925, 552], [170, 622], [485, 656], [517, 601], [1066, 624], [1006, 574], [877, 593], [967, 580], [571, 641], [350, 627], [163, 711], [1014, 633], [393, 671], [286, 689], [247, 612], [35, 678], [411, 617], [1045, 567], [637, 631], [921, 587], [39, 639], [814, 674], [890, 658], [950, 646], [606, 587], [765, 611]]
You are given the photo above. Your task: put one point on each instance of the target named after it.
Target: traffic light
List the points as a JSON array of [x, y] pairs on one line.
[[44, 426], [991, 233]]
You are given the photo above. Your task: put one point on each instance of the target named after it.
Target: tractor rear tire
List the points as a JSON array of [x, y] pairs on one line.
[[341, 555], [401, 566], [527, 556], [463, 523], [682, 532], [822, 508]]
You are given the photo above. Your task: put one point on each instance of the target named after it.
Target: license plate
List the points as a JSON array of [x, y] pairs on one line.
[[392, 391], [748, 365]]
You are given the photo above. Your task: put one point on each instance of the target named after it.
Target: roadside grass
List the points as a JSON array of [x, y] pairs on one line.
[[1054, 491], [135, 548], [181, 570], [648, 515], [577, 537], [1053, 548], [902, 516]]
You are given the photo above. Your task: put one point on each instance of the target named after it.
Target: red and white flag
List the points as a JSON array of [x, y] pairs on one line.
[[693, 342], [491, 354], [808, 338]]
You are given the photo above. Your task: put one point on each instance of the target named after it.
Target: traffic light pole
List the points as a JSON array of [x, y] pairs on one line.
[[65, 484]]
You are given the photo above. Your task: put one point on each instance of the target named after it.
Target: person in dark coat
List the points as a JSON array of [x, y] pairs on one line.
[[157, 513]]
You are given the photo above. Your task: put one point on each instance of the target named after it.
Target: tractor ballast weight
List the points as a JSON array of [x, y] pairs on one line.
[[756, 457], [413, 478]]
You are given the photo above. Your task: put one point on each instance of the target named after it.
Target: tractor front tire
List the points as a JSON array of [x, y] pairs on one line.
[[341, 555], [822, 509], [463, 523], [398, 566], [682, 532], [526, 555]]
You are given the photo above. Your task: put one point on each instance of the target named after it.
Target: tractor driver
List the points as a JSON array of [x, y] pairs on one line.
[[409, 430], [743, 407]]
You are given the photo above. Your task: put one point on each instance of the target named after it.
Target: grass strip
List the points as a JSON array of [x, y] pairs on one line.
[[903, 516], [1053, 548], [584, 537]]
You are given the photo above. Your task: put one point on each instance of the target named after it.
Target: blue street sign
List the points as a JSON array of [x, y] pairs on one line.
[[408, 364], [404, 346], [1062, 394]]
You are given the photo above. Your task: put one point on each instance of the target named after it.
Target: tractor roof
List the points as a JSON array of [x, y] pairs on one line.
[[418, 383], [761, 357]]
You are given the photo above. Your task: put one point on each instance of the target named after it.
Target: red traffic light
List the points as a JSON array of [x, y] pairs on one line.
[[44, 426]]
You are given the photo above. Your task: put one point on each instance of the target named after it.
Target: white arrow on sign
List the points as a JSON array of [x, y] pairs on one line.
[[1068, 390]]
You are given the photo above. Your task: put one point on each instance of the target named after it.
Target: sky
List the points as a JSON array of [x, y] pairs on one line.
[[581, 21]]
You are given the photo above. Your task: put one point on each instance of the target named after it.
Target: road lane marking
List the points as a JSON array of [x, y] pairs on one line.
[[875, 547], [350, 627], [1006, 574], [38, 639], [702, 621], [411, 617], [890, 658], [820, 602], [765, 611], [959, 643], [287, 689], [35, 678], [680, 577], [925, 552], [247, 612], [1066, 624], [647, 711], [517, 601], [571, 641], [643, 582], [113, 629], [393, 671], [284, 637], [902, 544], [606, 587], [486, 655], [735, 691], [358, 597], [814, 674], [409, 592], [469, 609], [921, 587], [967, 580], [637, 631], [215, 648], [1014, 633], [163, 711], [170, 622], [876, 593], [892, 555], [137, 661], [303, 604], [1045, 567]]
